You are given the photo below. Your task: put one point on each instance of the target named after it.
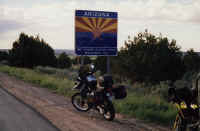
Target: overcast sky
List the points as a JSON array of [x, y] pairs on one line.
[[53, 20]]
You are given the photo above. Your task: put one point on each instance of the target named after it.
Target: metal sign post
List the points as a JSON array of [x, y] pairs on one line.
[[82, 60], [108, 65]]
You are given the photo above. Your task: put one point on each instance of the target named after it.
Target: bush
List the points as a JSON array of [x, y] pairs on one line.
[[64, 61], [146, 58], [191, 61], [29, 51], [4, 56]]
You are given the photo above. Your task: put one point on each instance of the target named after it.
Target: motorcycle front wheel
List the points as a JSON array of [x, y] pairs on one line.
[[81, 104], [179, 125]]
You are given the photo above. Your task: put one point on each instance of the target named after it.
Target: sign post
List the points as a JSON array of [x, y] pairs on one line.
[[108, 65], [96, 33]]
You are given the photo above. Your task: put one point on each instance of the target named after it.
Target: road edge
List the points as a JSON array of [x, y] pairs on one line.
[[30, 107]]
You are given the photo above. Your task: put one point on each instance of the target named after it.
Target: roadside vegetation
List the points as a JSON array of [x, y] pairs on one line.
[[140, 103], [57, 84], [146, 64]]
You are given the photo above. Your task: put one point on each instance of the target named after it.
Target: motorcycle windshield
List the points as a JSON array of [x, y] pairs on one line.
[[91, 78]]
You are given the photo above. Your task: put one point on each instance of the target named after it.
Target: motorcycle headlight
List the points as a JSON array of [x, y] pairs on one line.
[[193, 106], [183, 105], [108, 94]]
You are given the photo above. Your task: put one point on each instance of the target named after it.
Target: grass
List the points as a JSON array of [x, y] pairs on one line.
[[59, 85], [148, 108], [146, 103], [60, 73]]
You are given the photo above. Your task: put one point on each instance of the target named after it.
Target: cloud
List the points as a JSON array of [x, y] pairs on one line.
[[11, 19], [9, 25], [53, 13], [54, 20], [159, 10]]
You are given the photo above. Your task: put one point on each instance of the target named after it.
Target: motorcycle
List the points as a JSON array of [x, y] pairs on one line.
[[88, 97], [187, 118]]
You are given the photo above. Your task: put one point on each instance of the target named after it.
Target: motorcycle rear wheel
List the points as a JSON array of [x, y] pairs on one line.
[[109, 111]]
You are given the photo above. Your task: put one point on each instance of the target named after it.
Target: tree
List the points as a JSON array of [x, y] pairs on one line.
[[76, 60], [191, 61], [100, 64], [3, 55], [29, 51], [64, 61], [87, 60], [151, 59]]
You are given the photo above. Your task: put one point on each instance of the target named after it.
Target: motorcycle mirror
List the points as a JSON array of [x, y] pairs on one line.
[[92, 67]]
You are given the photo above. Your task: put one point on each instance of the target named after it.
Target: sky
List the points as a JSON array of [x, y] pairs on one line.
[[53, 20]]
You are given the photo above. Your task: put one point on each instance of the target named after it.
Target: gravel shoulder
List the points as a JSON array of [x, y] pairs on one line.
[[60, 112]]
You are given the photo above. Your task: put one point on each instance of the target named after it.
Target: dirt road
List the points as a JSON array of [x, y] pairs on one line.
[[59, 111]]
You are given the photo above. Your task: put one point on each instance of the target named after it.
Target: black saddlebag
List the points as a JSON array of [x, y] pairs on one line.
[[119, 92]]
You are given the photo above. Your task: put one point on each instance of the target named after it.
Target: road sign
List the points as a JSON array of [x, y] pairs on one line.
[[95, 33]]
